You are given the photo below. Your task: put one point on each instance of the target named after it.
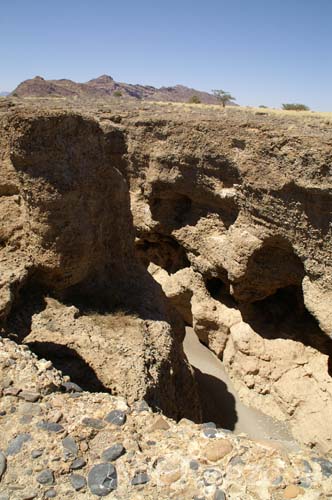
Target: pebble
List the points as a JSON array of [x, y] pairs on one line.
[[102, 479], [50, 493], [31, 397], [306, 466], [30, 409], [16, 444], [140, 478], [94, 423], [217, 450], [3, 464], [304, 483], [45, 477], [209, 425], [212, 476], [36, 453], [113, 453], [116, 417], [78, 463], [29, 495], [236, 461], [219, 495], [71, 387], [50, 426], [210, 432], [325, 465], [141, 406], [160, 424], [70, 445], [194, 465], [78, 482], [292, 491]]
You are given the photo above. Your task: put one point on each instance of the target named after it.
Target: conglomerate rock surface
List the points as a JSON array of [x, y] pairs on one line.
[[122, 224], [59, 441]]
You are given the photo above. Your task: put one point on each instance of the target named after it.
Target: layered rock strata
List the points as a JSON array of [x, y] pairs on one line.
[[221, 221]]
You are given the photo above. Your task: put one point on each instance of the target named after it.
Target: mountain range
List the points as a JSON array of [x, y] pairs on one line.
[[106, 86]]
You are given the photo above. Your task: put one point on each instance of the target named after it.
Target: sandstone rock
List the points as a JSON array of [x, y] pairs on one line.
[[292, 491], [217, 449], [159, 424]]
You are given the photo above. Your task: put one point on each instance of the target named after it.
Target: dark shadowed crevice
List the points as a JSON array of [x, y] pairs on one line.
[[69, 362], [284, 315], [273, 266], [164, 251], [219, 290], [30, 300], [175, 210]]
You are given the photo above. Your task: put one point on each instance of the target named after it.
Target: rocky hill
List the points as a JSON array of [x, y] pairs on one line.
[[119, 227], [104, 87]]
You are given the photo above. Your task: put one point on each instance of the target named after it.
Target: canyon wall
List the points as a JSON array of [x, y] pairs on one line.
[[118, 229], [233, 219]]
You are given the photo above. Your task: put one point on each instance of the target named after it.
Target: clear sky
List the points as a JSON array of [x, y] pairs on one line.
[[262, 51]]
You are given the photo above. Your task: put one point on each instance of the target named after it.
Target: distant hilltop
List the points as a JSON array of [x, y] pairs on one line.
[[106, 86]]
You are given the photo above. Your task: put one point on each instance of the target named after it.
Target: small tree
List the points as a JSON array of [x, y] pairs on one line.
[[223, 96], [117, 93], [295, 107], [194, 99]]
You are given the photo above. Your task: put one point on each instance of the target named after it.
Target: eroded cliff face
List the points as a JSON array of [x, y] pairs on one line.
[[233, 219], [71, 285], [221, 223]]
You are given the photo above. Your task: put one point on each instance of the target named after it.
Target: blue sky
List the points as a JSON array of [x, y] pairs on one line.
[[262, 51]]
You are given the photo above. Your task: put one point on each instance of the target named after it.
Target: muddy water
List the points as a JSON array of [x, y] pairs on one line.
[[220, 401]]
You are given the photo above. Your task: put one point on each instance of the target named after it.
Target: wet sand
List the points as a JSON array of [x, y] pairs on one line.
[[220, 401]]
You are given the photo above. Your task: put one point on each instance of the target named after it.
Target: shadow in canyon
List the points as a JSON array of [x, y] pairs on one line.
[[218, 404], [69, 362]]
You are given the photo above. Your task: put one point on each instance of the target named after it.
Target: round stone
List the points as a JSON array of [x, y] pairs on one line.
[[16, 444], [70, 445], [78, 463], [194, 465], [216, 450], [210, 432], [71, 387], [212, 476], [50, 426], [325, 465], [36, 453], [78, 482], [50, 493], [94, 423], [102, 479], [140, 478], [219, 495], [116, 417], [209, 425], [113, 453], [292, 491], [45, 477]]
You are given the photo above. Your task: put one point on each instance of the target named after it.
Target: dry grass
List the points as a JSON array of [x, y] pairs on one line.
[[215, 107]]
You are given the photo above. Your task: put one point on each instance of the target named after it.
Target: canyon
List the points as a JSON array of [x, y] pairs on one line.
[[123, 225]]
